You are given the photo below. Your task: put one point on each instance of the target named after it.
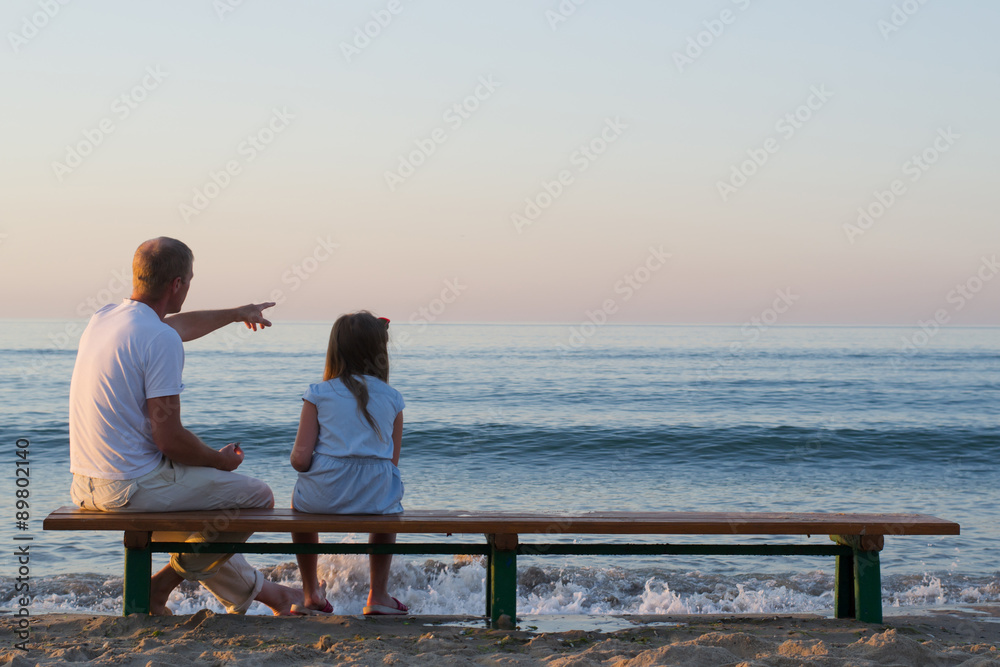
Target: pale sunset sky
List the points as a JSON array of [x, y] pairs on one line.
[[524, 161]]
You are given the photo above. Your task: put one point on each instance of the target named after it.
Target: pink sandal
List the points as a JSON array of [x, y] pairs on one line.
[[302, 610], [384, 610]]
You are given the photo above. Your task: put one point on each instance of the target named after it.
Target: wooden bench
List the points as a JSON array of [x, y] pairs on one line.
[[858, 539]]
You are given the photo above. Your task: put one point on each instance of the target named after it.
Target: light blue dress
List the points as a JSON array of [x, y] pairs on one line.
[[352, 470]]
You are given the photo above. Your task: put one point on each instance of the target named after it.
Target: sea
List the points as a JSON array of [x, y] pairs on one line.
[[554, 418]]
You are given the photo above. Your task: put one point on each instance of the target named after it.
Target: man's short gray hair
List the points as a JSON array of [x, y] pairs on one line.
[[156, 263]]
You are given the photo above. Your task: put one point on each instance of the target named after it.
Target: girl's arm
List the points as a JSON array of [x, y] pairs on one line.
[[305, 439], [397, 438]]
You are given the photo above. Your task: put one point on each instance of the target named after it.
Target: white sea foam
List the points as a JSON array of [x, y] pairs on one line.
[[457, 587], [657, 598]]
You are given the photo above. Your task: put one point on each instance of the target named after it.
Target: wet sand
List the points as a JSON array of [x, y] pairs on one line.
[[969, 637]]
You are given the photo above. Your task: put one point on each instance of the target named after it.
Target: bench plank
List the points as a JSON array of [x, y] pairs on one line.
[[859, 537], [476, 522]]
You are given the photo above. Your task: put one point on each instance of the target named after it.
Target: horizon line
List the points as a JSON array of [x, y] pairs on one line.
[[584, 323]]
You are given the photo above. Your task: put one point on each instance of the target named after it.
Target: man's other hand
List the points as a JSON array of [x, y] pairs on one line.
[[231, 457], [252, 315]]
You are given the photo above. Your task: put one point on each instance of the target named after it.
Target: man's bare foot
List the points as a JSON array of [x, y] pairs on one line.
[[279, 598], [161, 585], [162, 610]]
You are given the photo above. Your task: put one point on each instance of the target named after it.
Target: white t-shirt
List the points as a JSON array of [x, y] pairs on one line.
[[127, 354], [343, 430]]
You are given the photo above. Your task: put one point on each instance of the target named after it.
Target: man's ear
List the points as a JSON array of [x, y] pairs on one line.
[[176, 284]]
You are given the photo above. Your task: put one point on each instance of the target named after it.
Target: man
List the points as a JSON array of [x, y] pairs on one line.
[[129, 451]]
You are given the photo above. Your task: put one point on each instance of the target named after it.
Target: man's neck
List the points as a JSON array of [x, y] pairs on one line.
[[159, 306]]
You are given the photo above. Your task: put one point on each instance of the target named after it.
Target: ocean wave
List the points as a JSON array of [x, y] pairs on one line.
[[692, 444], [457, 588]]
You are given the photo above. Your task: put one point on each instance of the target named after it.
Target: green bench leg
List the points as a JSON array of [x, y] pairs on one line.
[[867, 586], [502, 581], [858, 581], [843, 587], [138, 573]]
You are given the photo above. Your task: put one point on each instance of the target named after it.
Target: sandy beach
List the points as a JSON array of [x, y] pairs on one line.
[[969, 638]]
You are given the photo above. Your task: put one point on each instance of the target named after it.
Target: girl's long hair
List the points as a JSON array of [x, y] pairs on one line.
[[359, 345]]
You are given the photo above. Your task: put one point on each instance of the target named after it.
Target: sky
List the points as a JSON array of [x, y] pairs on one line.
[[827, 162]]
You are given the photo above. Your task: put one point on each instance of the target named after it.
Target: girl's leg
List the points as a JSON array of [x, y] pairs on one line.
[[312, 589], [379, 565]]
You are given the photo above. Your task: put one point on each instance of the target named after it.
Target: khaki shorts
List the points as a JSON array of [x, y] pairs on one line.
[[174, 487]]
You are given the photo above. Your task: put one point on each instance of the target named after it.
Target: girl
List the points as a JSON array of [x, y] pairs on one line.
[[347, 449]]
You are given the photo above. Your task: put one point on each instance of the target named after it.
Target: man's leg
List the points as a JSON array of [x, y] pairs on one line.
[[173, 487], [228, 576], [161, 586]]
